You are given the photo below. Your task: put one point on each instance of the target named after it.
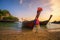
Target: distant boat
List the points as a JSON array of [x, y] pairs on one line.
[[30, 24], [56, 22]]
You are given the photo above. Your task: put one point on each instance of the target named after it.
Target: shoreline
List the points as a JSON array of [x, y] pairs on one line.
[[29, 35]]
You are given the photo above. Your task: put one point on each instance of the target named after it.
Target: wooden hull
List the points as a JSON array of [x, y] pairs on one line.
[[30, 24]]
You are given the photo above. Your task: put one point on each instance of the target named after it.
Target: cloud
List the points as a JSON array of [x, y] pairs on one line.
[[45, 4], [21, 1], [36, 3], [56, 9], [49, 7]]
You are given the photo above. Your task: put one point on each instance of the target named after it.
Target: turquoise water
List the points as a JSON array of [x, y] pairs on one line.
[[10, 26], [53, 26], [18, 26]]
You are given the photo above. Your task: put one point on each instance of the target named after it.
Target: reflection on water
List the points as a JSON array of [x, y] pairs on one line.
[[11, 26]]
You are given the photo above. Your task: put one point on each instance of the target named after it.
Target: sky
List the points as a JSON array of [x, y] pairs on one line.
[[27, 9]]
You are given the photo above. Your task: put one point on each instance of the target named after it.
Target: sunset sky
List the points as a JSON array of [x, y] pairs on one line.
[[27, 8]]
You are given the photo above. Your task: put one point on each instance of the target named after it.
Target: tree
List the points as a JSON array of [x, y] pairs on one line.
[[4, 12], [0, 14], [10, 18], [6, 16]]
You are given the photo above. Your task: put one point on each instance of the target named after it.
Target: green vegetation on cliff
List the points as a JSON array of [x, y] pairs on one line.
[[6, 16]]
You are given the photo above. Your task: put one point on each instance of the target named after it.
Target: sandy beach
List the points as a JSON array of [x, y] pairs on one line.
[[28, 35]]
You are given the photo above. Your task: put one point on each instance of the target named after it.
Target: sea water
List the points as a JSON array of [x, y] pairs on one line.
[[10, 26], [52, 27]]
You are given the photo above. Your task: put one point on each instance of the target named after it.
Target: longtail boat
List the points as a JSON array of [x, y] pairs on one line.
[[30, 24]]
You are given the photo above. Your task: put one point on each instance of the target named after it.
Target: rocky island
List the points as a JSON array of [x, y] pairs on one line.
[[5, 16]]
